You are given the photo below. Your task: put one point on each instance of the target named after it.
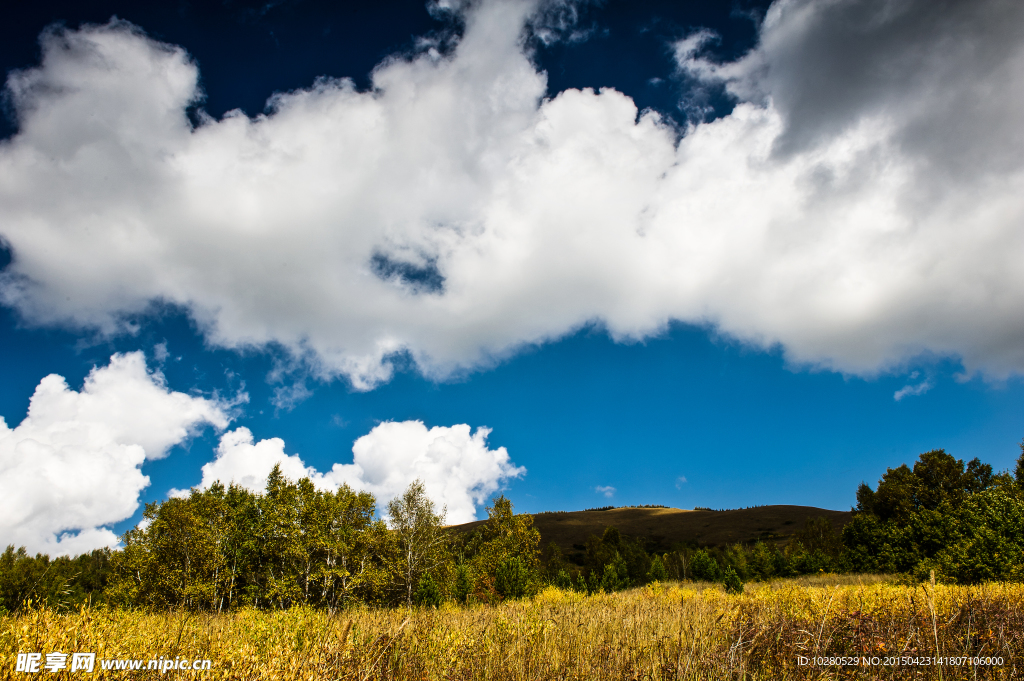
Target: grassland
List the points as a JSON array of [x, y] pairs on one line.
[[662, 631]]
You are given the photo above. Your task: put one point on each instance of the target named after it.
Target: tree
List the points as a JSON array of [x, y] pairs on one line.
[[703, 566], [221, 548], [512, 578], [962, 521], [615, 576], [463, 582], [1018, 472], [421, 540], [427, 592], [937, 477], [984, 539], [60, 582], [503, 538], [732, 582], [658, 571]]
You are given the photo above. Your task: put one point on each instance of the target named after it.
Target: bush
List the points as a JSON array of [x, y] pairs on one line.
[[658, 571], [581, 584], [615, 576], [427, 592], [704, 567], [563, 580], [463, 582], [984, 540], [512, 579], [732, 582]]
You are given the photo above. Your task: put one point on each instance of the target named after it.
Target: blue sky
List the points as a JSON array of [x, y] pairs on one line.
[[783, 270]]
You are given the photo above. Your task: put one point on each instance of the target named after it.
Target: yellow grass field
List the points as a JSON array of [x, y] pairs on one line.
[[664, 631]]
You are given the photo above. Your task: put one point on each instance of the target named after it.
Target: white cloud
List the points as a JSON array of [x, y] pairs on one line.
[[680, 481], [606, 490], [160, 353], [861, 205], [72, 466], [457, 468], [243, 461], [908, 390], [288, 397]]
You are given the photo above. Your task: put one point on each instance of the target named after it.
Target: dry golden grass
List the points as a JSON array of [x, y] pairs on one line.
[[672, 631]]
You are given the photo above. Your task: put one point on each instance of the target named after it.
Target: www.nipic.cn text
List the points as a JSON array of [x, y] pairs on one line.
[[33, 663]]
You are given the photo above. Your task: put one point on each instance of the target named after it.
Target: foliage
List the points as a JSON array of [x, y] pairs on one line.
[[704, 567], [224, 548], [512, 578], [936, 478], [504, 554], [427, 592], [658, 572], [416, 528], [463, 585], [961, 521], [61, 582], [984, 540], [616, 575], [731, 581]]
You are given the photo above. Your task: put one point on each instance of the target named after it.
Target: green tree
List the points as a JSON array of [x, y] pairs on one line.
[[427, 592], [960, 520], [421, 541], [504, 537], [1018, 471], [463, 582], [581, 583], [658, 572], [221, 548], [512, 578], [704, 567], [732, 582], [174, 558], [937, 477], [984, 539], [615, 576], [61, 582]]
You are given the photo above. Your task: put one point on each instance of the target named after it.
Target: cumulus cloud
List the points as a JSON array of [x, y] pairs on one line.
[[862, 204], [241, 460], [72, 466], [607, 490], [458, 470]]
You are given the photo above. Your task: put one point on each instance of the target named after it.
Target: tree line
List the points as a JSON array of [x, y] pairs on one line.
[[227, 547]]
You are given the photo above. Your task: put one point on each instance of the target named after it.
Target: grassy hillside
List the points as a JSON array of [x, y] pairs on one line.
[[662, 528]]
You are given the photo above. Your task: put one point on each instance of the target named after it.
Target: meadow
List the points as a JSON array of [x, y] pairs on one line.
[[660, 631]]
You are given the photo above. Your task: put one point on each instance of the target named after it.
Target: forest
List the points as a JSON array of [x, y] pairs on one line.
[[226, 548]]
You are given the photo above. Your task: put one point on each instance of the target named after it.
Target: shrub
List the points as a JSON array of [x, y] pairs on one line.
[[581, 584], [615, 576], [732, 582], [984, 540], [512, 578], [703, 566], [463, 582], [427, 592], [658, 571]]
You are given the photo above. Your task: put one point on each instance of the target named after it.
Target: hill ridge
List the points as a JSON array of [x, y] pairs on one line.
[[663, 527]]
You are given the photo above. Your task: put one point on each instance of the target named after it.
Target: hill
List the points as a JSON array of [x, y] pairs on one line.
[[662, 528]]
